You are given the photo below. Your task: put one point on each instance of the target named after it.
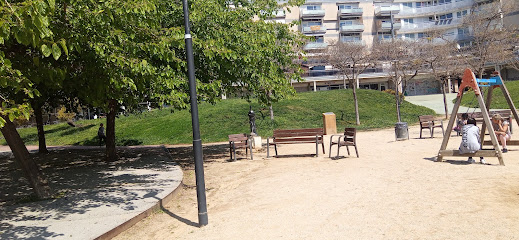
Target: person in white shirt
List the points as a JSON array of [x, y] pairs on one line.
[[470, 141]]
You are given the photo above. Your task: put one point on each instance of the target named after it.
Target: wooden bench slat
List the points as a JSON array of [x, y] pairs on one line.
[[295, 136], [480, 153]]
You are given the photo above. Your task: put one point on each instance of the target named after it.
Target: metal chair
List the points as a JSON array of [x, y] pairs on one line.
[[348, 139], [240, 140]]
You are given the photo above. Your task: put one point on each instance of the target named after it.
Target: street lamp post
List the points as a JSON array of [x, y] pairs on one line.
[[197, 142]]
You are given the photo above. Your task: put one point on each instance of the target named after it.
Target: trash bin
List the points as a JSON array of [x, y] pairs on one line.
[[329, 125], [401, 131]]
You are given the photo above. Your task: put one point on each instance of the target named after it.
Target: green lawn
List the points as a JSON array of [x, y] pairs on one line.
[[498, 100], [377, 110]]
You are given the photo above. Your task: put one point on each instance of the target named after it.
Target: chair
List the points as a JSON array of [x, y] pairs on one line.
[[348, 139], [239, 141], [427, 121]]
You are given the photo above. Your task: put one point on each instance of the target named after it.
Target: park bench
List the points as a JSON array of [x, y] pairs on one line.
[[294, 136], [506, 114], [428, 122], [240, 140]]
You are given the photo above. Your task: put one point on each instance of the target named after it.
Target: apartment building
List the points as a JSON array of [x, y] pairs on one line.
[[366, 21]]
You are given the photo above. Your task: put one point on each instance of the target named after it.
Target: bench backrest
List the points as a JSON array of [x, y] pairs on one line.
[[238, 137], [426, 120], [283, 133], [350, 135]]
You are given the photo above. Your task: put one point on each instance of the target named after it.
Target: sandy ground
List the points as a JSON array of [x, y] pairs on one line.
[[394, 190]]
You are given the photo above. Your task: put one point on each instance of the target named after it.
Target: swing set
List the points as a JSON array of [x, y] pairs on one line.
[[470, 80]]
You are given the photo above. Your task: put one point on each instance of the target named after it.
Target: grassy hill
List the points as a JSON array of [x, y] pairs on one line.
[[498, 100], [377, 110]]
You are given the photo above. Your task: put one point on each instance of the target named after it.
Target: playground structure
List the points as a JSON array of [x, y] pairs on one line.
[[470, 80]]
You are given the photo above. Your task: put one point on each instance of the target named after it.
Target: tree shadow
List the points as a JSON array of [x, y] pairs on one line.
[[184, 155], [82, 181]]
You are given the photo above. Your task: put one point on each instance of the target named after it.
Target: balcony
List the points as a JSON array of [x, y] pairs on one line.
[[438, 24], [279, 14], [352, 28], [386, 26], [436, 9], [386, 10], [350, 12], [352, 40], [314, 29], [305, 13], [315, 46]]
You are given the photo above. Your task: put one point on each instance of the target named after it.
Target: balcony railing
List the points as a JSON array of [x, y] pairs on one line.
[[315, 46], [386, 10], [314, 29], [438, 24], [351, 12], [386, 26], [352, 40], [352, 28], [305, 13], [436, 9], [279, 13]]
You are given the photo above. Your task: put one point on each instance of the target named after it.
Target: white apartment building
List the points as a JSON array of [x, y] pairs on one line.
[[366, 21]]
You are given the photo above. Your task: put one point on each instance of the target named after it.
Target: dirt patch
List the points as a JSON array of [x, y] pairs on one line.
[[394, 190]]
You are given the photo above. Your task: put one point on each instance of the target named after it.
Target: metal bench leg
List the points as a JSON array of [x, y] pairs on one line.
[[250, 146], [331, 143], [316, 146], [268, 144], [230, 150], [234, 149]]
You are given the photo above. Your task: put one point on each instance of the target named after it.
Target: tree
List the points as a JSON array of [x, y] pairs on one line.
[[490, 42], [351, 59], [400, 58], [23, 24], [439, 58]]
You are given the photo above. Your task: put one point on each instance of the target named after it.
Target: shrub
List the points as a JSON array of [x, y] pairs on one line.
[[63, 115]]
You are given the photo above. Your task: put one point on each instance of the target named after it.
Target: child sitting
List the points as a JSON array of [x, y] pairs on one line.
[[461, 122], [470, 141]]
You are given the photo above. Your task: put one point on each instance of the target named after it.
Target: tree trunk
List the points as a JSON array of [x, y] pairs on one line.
[[31, 170], [38, 114], [111, 153], [397, 99], [355, 100], [445, 100], [271, 110]]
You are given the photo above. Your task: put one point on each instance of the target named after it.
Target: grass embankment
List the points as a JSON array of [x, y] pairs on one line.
[[377, 110], [498, 100]]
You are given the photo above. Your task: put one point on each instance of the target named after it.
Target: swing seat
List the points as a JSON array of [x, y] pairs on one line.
[[509, 142], [480, 153]]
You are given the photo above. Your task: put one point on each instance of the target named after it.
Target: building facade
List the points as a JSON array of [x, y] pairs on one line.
[[366, 21]]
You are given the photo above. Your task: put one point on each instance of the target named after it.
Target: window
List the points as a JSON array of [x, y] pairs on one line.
[[422, 35], [462, 13], [344, 7], [446, 16], [313, 7], [350, 38], [409, 4], [319, 39], [463, 31], [407, 20], [346, 23], [409, 35]]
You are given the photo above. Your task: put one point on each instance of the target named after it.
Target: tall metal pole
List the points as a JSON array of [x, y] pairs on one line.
[[197, 142]]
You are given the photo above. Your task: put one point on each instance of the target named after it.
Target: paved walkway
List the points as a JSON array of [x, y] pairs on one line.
[[435, 102], [105, 198]]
